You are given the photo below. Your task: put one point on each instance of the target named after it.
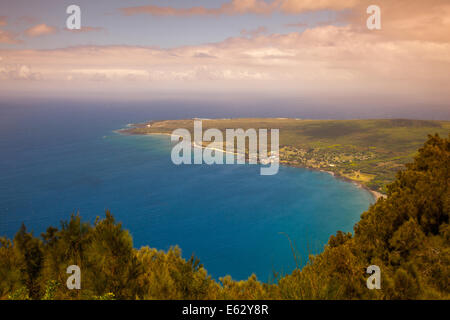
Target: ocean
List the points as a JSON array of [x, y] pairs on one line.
[[60, 158]]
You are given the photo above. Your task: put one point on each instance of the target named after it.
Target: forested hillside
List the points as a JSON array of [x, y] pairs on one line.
[[407, 235]]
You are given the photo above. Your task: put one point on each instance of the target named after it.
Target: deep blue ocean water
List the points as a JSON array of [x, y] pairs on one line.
[[58, 159]]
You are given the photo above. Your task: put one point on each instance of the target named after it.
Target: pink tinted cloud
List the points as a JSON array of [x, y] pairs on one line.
[[167, 11], [255, 32], [401, 19], [297, 25], [300, 6], [234, 7], [17, 72], [409, 56], [238, 7], [40, 30], [406, 20], [9, 37], [340, 59]]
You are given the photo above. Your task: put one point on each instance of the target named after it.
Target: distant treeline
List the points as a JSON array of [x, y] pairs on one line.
[[407, 235]]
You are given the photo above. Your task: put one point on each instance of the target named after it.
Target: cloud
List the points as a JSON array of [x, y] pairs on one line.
[[409, 56], [108, 74], [3, 21], [240, 7], [8, 37], [18, 72], [325, 58], [254, 33], [40, 30], [300, 6], [406, 20], [203, 55], [167, 11], [297, 25], [401, 19]]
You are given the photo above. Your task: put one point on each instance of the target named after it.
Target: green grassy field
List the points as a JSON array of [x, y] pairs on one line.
[[367, 151]]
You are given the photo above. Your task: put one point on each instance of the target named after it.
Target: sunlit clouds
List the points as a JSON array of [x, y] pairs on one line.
[[40, 30], [239, 7], [409, 56]]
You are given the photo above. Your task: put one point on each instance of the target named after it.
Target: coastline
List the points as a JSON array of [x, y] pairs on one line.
[[375, 194]]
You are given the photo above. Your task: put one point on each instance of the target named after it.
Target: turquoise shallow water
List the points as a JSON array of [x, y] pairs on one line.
[[59, 160]]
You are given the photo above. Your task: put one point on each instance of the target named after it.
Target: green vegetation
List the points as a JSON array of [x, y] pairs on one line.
[[407, 235], [369, 152]]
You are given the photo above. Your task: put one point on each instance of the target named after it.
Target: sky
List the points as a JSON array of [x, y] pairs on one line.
[[321, 50]]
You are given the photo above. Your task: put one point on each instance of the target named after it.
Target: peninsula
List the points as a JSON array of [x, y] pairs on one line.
[[366, 152]]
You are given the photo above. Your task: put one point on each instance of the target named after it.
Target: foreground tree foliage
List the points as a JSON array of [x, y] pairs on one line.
[[407, 235]]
